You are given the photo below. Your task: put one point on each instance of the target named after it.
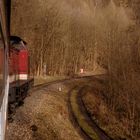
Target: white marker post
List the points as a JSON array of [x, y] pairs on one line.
[[59, 89], [81, 71]]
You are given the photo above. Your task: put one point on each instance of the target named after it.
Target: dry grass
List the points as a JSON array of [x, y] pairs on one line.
[[41, 80], [107, 119]]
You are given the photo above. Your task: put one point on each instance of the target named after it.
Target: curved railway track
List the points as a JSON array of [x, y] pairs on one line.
[[80, 114]]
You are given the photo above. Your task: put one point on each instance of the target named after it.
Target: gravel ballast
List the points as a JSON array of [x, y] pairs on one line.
[[44, 116]]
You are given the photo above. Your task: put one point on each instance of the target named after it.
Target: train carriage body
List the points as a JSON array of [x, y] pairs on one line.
[[4, 79], [4, 84]]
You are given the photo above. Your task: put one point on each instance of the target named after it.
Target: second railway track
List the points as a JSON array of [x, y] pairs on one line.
[[80, 114]]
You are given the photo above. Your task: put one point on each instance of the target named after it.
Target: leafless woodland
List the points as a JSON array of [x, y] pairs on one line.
[[66, 35]]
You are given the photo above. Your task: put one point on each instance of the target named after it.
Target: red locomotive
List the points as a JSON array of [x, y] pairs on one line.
[[19, 77]]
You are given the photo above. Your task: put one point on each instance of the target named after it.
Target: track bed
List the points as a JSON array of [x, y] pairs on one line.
[[46, 115]]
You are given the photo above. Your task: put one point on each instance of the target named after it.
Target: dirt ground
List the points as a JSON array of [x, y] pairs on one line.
[[44, 116]]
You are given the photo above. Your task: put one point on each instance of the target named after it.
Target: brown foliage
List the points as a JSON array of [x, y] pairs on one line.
[[66, 36]]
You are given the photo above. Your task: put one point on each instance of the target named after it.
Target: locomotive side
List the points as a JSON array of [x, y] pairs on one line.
[[19, 76]]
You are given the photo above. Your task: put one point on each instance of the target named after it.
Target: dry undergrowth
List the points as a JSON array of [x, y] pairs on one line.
[[105, 117]]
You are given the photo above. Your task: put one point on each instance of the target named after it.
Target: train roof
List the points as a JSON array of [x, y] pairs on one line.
[[16, 40], [17, 43]]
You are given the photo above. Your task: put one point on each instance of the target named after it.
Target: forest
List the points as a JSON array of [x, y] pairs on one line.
[[99, 36]]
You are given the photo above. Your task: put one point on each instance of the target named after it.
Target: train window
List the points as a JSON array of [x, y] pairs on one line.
[[1, 63]]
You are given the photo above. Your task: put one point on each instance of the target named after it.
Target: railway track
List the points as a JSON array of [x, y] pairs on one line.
[[80, 114], [97, 77], [86, 126]]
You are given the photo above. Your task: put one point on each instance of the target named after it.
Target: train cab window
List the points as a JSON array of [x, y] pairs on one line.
[[1, 64]]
